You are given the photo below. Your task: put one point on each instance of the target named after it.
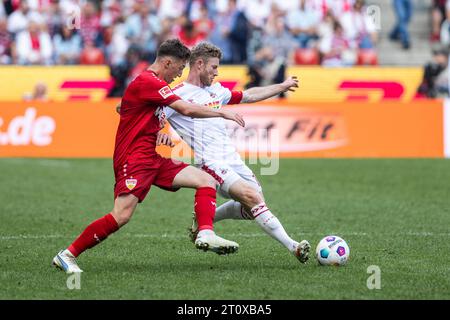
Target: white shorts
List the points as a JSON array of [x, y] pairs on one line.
[[227, 173]]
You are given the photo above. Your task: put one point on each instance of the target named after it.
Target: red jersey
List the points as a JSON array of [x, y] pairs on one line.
[[141, 117]]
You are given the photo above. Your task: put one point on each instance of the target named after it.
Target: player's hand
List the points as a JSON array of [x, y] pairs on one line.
[[118, 108], [291, 83], [236, 117], [164, 139]]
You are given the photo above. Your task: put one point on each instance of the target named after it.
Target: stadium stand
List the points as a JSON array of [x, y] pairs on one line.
[[125, 34], [391, 53]]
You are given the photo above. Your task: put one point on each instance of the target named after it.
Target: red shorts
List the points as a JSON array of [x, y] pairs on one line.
[[137, 177]]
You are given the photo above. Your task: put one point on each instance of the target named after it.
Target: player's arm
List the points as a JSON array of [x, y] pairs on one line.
[[261, 93], [198, 111]]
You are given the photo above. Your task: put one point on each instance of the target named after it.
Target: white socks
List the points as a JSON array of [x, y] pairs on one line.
[[263, 217], [270, 224], [231, 210]]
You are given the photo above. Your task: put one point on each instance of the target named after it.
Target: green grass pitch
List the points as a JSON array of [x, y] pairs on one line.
[[394, 214]]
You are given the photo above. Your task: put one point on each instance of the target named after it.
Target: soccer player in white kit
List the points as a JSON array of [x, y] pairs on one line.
[[215, 152]]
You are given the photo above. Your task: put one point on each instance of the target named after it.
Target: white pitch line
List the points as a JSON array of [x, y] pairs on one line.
[[54, 163], [31, 237], [243, 235], [41, 162]]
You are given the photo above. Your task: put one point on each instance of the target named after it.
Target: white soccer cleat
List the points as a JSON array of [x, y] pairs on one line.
[[302, 250], [65, 261], [212, 242]]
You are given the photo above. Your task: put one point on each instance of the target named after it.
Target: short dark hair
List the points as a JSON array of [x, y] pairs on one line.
[[205, 50], [174, 48]]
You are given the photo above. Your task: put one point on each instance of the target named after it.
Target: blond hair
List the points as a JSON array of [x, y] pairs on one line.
[[204, 50]]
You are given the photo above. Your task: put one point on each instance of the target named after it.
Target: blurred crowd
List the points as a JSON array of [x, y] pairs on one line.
[[440, 15], [436, 74], [267, 35]]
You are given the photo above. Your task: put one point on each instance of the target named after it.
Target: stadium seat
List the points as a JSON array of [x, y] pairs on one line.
[[91, 55], [367, 57], [307, 56]]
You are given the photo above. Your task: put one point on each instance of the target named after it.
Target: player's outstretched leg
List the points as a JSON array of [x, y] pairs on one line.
[[233, 210], [252, 205], [204, 207], [95, 233]]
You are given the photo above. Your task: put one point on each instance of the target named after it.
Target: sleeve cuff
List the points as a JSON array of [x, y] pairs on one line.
[[236, 97], [172, 99]]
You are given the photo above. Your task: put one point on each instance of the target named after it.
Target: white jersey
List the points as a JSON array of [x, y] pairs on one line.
[[208, 137]]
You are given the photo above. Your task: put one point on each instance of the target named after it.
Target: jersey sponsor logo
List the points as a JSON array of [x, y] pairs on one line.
[[131, 183], [178, 86], [213, 105], [165, 92]]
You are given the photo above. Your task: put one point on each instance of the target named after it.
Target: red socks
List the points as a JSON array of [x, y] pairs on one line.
[[205, 207], [96, 232]]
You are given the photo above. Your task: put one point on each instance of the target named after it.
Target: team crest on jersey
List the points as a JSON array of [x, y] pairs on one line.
[[165, 92], [131, 183]]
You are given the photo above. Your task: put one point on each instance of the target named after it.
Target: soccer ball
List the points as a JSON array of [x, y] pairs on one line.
[[332, 250]]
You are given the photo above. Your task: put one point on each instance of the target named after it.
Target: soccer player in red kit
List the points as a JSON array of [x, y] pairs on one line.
[[137, 166]]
